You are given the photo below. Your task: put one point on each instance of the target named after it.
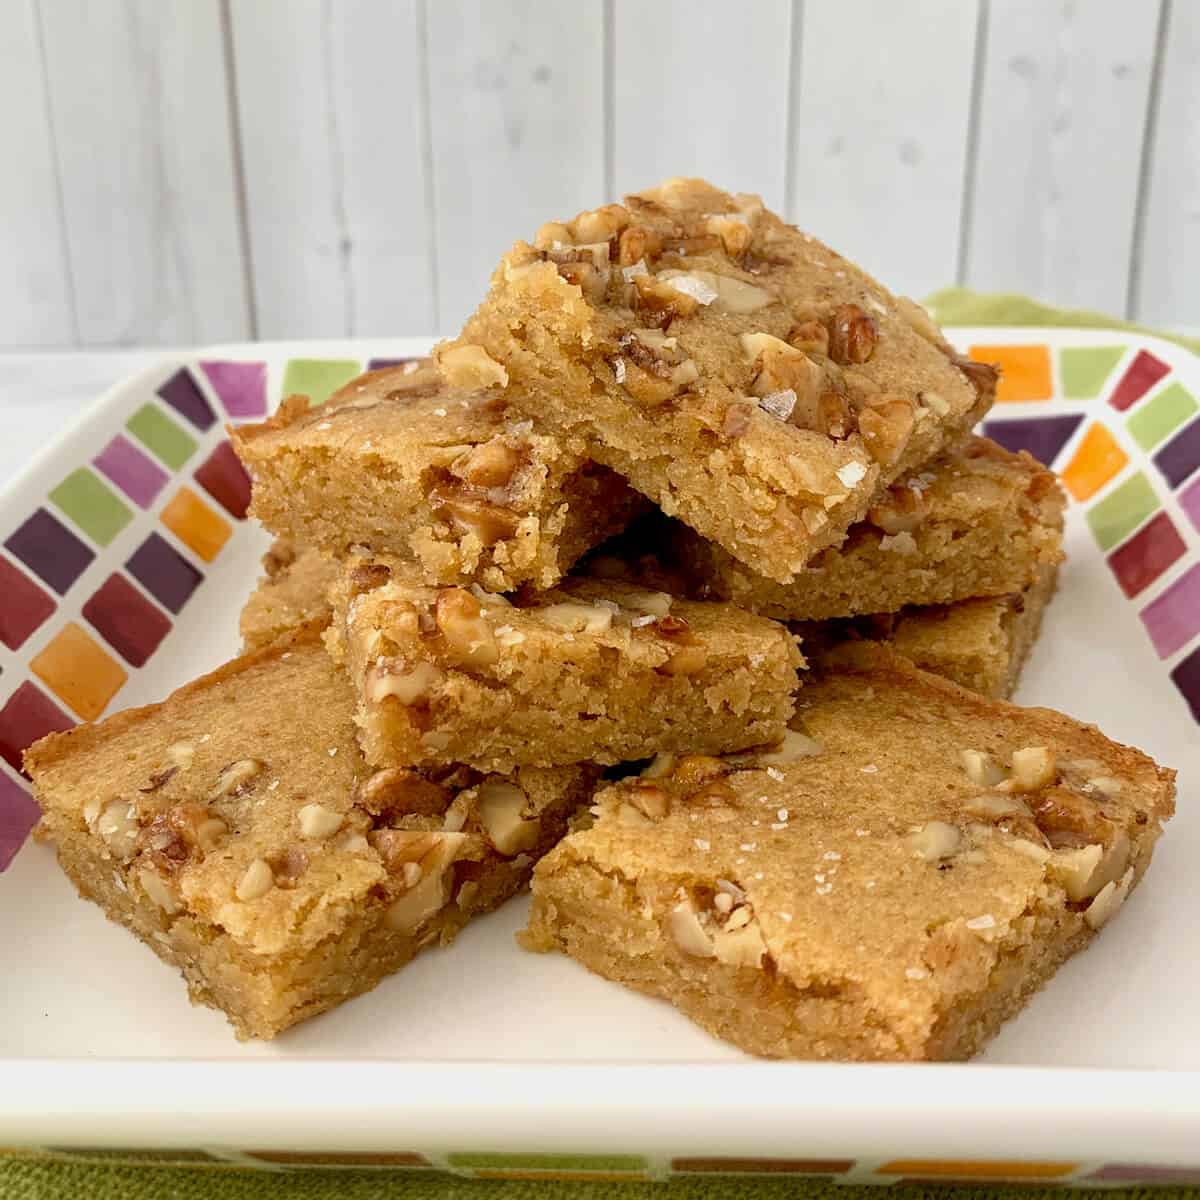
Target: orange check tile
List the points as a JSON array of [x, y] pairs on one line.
[[82, 675], [933, 1169], [1025, 372], [195, 524], [1096, 460]]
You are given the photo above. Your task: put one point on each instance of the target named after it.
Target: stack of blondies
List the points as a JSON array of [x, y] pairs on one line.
[[678, 582]]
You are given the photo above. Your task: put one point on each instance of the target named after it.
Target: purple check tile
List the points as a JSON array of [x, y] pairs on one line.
[[1173, 619], [1180, 457], [164, 573], [240, 386], [1189, 501], [23, 606], [50, 550], [1186, 678], [132, 471], [28, 714], [18, 815], [182, 394], [1043, 437], [378, 364]]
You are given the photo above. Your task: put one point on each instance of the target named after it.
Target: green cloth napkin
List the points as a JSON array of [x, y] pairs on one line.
[[25, 1179], [42, 1181]]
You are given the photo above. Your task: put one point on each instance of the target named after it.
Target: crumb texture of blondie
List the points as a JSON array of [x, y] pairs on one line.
[[588, 672], [892, 883], [293, 591], [455, 480], [236, 830], [979, 521], [745, 377], [979, 644]]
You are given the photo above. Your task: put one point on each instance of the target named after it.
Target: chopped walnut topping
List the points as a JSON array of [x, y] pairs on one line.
[[491, 464], [424, 900], [689, 935], [160, 892], [410, 686], [500, 806], [935, 841], [902, 510], [118, 827], [256, 881], [1033, 768], [469, 637], [810, 336], [577, 618], [694, 769], [660, 766], [725, 293], [1108, 900], [237, 778], [886, 423], [649, 799], [471, 367], [981, 769], [471, 516], [637, 244], [318, 822], [852, 335]]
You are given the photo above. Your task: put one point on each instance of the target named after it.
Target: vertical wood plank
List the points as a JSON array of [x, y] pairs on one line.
[[1062, 112], [1168, 268], [880, 133], [714, 104], [139, 103], [35, 289], [517, 106], [332, 118]]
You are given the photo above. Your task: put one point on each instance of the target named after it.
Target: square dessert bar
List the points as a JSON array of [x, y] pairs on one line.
[[293, 591], [893, 882], [238, 832], [742, 375], [588, 672], [979, 644], [979, 521], [455, 480]]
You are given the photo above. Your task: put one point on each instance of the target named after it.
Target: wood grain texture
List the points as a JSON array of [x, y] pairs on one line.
[[880, 133], [331, 106], [1064, 98], [1167, 288], [517, 107], [36, 306], [146, 168], [713, 105]]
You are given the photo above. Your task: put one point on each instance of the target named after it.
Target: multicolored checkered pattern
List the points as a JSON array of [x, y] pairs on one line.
[[97, 565], [95, 573], [1121, 425]]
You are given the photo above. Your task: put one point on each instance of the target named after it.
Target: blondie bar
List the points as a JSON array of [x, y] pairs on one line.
[[892, 882], [742, 375], [238, 832], [587, 672], [979, 521], [980, 644], [452, 479], [293, 591]]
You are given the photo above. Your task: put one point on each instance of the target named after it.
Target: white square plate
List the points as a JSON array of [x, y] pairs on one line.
[[481, 1058]]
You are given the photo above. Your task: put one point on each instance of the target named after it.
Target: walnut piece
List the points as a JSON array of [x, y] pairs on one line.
[[256, 881], [852, 335], [118, 827], [574, 617], [491, 464], [318, 822], [683, 923], [886, 423], [1033, 768], [429, 895], [471, 367], [160, 892], [500, 805], [471, 516], [469, 637], [794, 746], [649, 799], [398, 790], [902, 510], [935, 841], [235, 778], [410, 686], [981, 769]]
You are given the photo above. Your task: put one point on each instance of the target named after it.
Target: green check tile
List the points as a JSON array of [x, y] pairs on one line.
[[1151, 423], [1122, 511], [1084, 369], [317, 378], [161, 436], [92, 505]]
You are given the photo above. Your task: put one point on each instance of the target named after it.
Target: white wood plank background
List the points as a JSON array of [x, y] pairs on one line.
[[146, 169], [215, 169]]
